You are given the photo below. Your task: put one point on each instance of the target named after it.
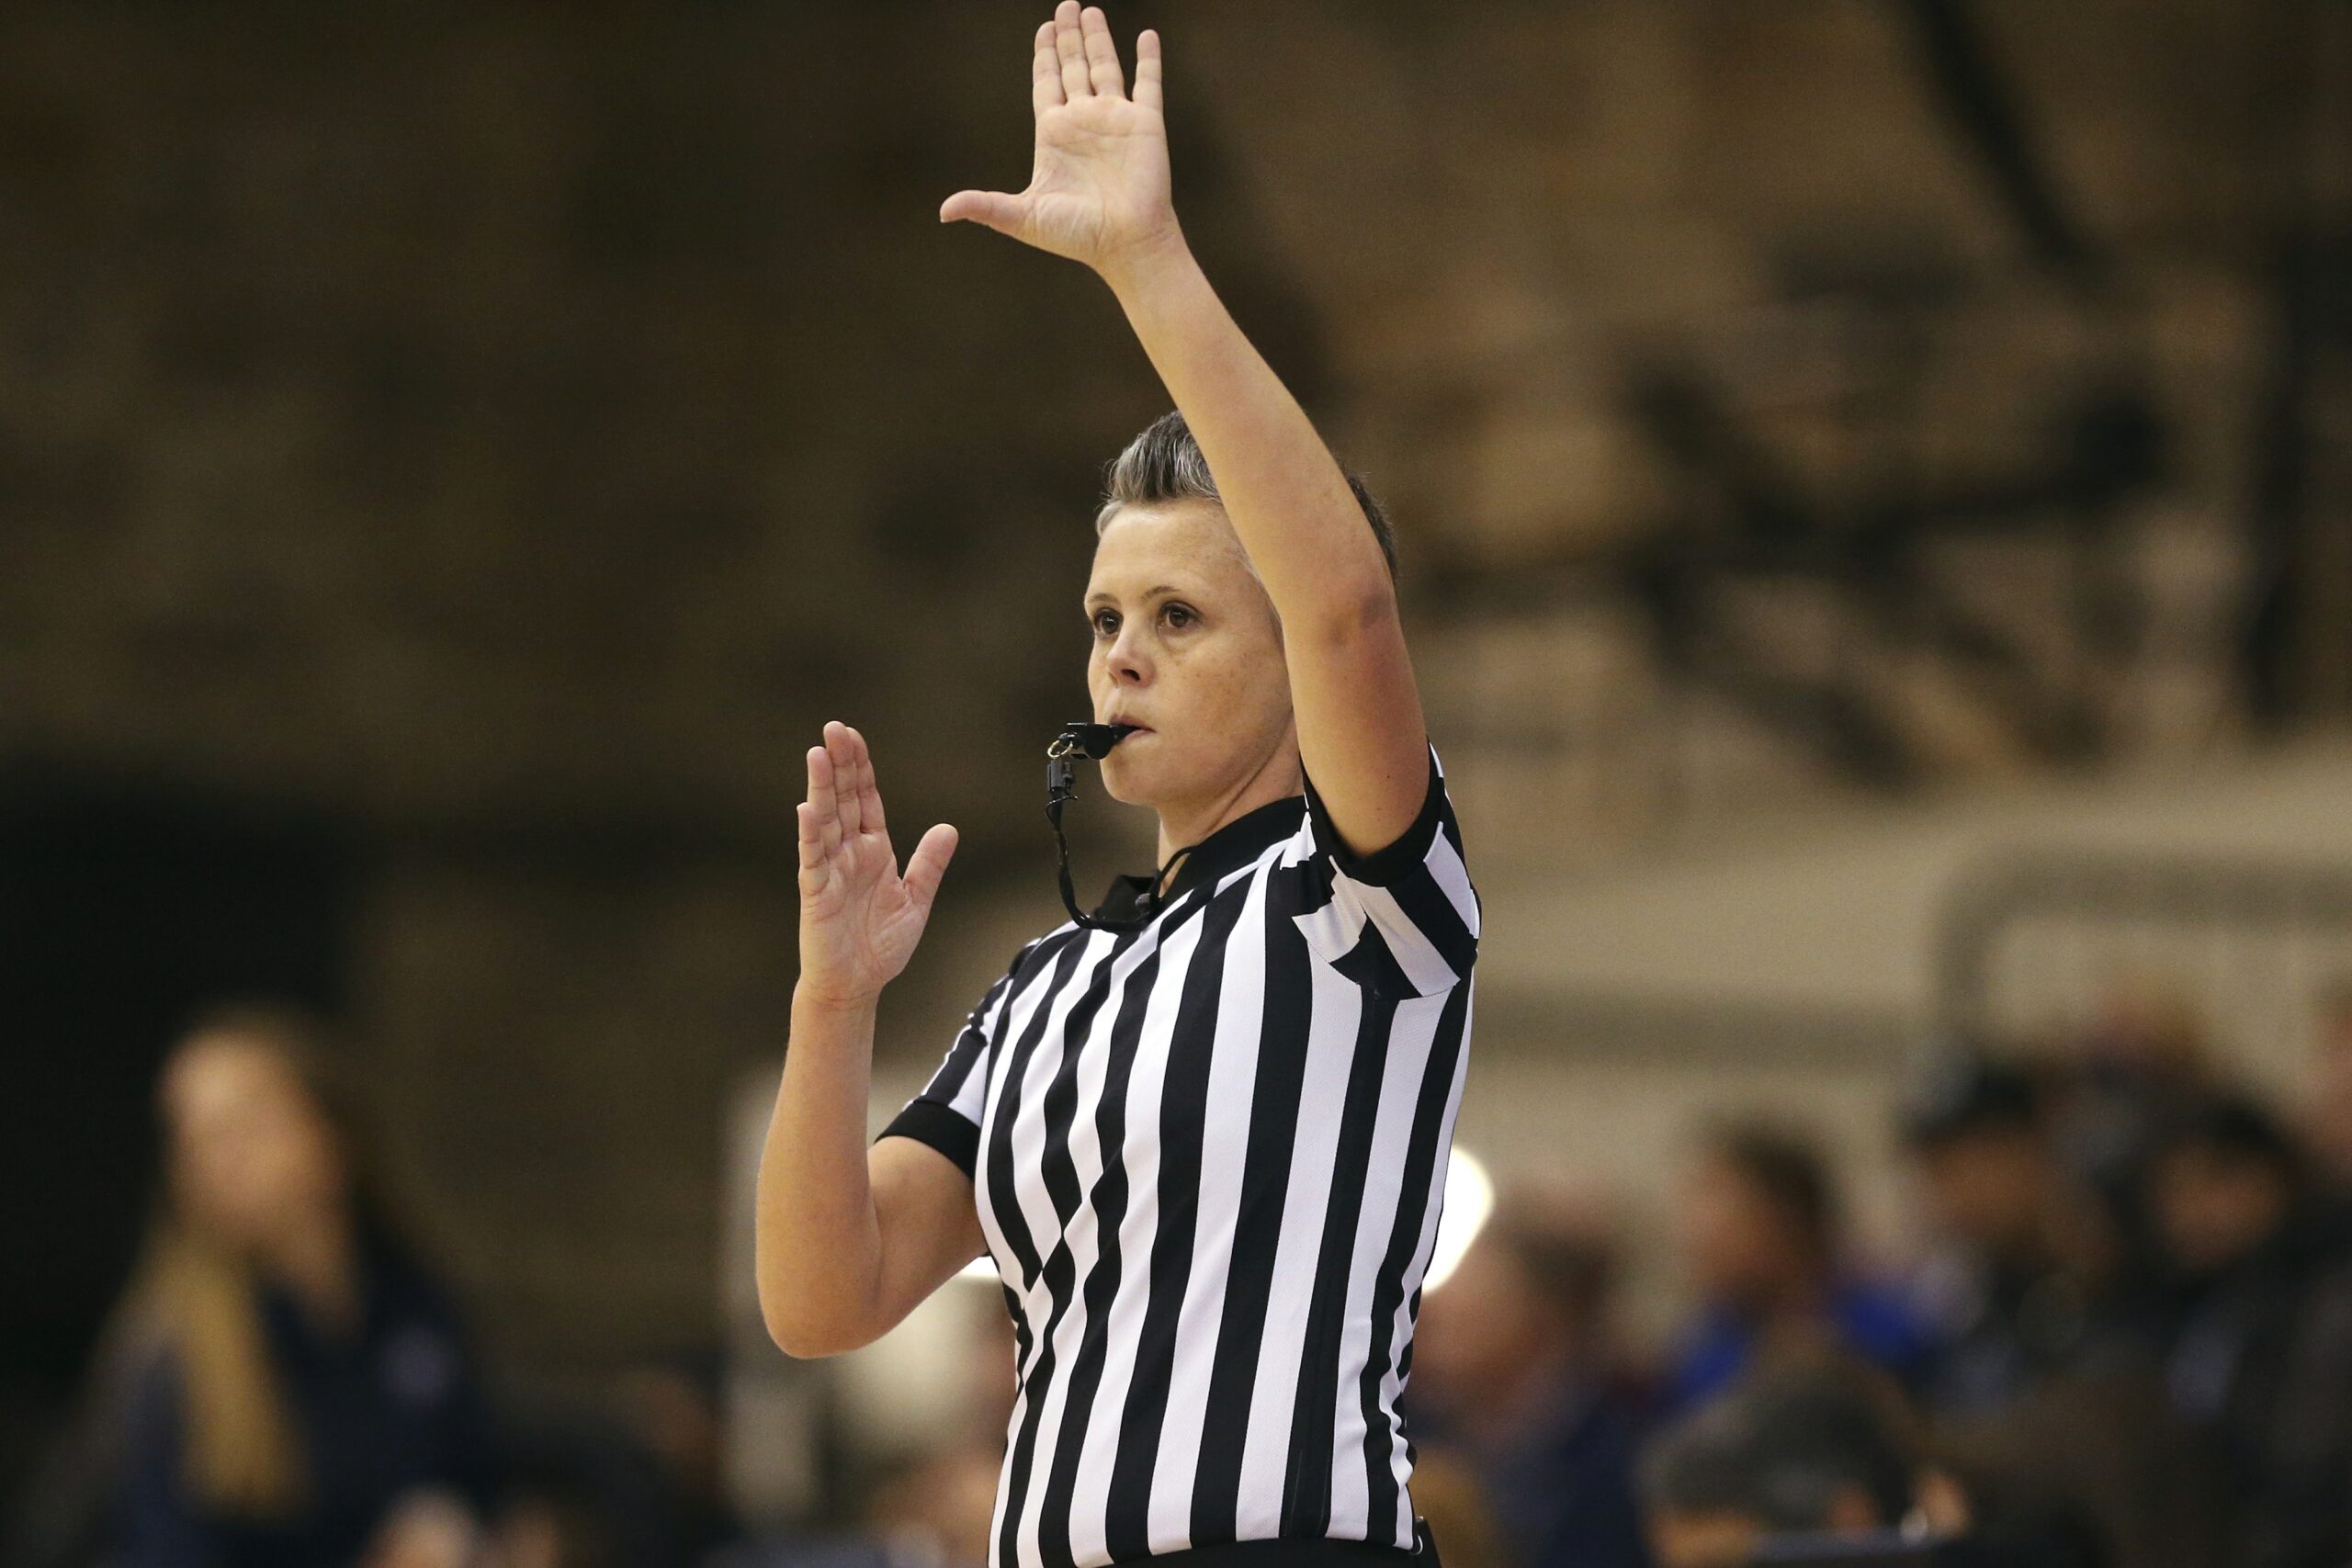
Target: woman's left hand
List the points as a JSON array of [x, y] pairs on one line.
[[1098, 191]]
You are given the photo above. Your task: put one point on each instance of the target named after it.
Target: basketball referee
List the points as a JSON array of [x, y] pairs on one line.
[[1202, 1130]]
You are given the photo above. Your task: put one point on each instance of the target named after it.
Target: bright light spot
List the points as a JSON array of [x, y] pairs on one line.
[[1469, 1199]]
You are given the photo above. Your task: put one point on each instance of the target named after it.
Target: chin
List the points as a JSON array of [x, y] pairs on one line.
[[1120, 783], [1140, 779]]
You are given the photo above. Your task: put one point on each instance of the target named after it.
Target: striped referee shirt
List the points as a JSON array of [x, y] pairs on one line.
[[1209, 1157]]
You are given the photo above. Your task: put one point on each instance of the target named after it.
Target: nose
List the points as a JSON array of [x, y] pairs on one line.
[[1128, 661]]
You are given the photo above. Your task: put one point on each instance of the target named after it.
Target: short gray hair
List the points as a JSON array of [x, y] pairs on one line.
[[1165, 464]]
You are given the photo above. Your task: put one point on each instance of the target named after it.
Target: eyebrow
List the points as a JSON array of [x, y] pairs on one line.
[[1152, 592]]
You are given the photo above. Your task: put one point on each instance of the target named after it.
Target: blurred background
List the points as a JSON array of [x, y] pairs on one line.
[[1874, 480]]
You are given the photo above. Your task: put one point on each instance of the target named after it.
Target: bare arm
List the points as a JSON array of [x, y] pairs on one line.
[[1100, 193], [850, 1240]]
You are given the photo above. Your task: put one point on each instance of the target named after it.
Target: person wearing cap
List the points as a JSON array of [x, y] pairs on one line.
[[2259, 1350], [2041, 1346], [2012, 1293]]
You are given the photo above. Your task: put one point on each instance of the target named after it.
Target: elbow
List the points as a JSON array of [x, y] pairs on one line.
[[791, 1335], [808, 1328], [799, 1345], [807, 1339]]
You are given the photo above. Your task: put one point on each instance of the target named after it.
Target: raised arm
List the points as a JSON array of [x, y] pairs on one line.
[[1099, 194], [849, 1240]]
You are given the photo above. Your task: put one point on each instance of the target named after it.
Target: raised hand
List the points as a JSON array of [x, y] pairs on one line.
[[1099, 190], [859, 917]]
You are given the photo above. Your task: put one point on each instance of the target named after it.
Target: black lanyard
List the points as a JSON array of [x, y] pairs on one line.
[[1092, 741]]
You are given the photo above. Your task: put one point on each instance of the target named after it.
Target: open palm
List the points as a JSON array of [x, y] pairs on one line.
[[859, 917], [1099, 190]]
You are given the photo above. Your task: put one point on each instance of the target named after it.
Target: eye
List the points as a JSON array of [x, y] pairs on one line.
[[1177, 616], [1104, 621]]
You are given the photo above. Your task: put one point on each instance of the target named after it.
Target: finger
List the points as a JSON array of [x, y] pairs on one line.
[[869, 797], [1148, 69], [1046, 73], [1070, 45], [989, 209], [821, 806], [1101, 54], [812, 838], [928, 864], [839, 747]]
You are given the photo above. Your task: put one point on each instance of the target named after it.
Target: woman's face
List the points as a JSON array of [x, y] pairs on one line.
[[1735, 1242], [1185, 646], [252, 1158]]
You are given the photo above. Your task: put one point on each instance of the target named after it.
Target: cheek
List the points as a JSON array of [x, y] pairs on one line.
[[1241, 679]]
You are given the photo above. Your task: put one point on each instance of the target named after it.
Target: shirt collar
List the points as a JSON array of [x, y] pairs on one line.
[[1232, 846]]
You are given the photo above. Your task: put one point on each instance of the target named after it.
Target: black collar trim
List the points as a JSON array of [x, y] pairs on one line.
[[1231, 847]]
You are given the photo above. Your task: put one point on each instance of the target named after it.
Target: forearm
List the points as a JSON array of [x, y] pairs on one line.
[[1288, 499], [819, 1244]]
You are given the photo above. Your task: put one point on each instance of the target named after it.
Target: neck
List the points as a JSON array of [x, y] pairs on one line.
[[1183, 826]]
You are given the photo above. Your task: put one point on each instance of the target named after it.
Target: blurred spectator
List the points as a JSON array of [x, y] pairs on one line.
[[2139, 1065], [1762, 1232], [2260, 1349], [1806, 1445], [1516, 1373], [304, 1394], [674, 1414], [588, 1484], [2046, 1390], [2013, 1294], [2092, 1464]]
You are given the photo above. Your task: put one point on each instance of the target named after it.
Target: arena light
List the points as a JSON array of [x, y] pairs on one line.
[[1469, 1199]]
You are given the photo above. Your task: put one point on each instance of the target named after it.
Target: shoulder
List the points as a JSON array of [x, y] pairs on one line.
[[1405, 911], [1434, 832], [1035, 958]]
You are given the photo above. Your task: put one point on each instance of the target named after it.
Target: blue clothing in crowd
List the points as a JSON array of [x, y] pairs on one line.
[[1565, 1495], [394, 1408], [1876, 1324]]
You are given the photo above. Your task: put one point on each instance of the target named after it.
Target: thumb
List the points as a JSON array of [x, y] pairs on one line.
[[992, 208], [928, 864]]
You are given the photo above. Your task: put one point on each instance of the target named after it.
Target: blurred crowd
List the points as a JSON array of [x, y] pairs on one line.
[[2120, 1336], [2117, 1334]]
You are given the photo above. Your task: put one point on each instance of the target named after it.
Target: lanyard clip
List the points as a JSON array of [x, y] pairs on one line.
[[1090, 740]]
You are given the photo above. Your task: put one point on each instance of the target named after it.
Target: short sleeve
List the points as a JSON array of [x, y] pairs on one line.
[[946, 1114], [1414, 894]]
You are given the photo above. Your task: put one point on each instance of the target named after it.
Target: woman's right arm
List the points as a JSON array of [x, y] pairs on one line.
[[849, 1239]]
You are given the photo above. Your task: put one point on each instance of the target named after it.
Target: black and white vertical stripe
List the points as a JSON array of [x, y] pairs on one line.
[[1209, 1157]]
